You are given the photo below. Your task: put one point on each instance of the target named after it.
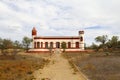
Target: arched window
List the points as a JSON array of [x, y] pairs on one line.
[[57, 44], [46, 44], [63, 45], [69, 44], [38, 44], [81, 38], [51, 44], [41, 44], [34, 44], [77, 44]]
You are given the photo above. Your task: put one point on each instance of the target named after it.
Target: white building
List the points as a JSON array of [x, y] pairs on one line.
[[45, 43]]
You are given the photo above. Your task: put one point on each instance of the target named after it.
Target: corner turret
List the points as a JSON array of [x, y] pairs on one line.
[[81, 35], [34, 34]]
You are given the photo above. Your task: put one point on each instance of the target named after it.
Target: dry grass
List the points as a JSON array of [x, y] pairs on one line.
[[98, 66], [20, 67]]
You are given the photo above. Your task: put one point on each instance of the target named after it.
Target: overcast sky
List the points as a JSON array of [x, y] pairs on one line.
[[59, 18]]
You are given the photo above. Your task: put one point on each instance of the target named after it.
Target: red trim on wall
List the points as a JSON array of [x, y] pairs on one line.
[[59, 48], [56, 37]]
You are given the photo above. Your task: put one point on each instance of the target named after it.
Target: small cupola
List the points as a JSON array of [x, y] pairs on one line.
[[34, 31], [81, 32]]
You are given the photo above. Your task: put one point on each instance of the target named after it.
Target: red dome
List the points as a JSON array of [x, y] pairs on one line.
[[34, 32]]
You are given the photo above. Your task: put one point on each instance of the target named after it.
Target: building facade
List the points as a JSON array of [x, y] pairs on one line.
[[51, 43]]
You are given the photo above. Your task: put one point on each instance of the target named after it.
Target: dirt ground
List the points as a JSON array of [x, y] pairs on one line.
[[57, 69], [21, 66], [98, 66]]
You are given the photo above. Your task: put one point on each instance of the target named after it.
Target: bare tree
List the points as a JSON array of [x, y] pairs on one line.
[[113, 42], [102, 39]]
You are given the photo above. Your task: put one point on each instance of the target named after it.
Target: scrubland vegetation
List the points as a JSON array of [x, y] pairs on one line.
[[103, 62], [97, 66], [105, 44], [15, 64], [20, 67]]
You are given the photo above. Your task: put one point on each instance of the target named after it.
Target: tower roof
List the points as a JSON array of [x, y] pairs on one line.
[[81, 32], [34, 31]]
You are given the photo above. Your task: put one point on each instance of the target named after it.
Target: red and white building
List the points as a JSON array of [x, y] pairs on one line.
[[43, 43]]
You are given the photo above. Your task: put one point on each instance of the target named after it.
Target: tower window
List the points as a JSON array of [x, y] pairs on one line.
[[81, 38]]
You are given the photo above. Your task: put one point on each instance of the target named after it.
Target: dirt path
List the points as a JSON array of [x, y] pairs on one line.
[[57, 69]]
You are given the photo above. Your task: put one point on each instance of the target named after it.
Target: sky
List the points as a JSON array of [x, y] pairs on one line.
[[59, 18]]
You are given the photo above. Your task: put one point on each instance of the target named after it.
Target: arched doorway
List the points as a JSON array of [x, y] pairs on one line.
[[38, 44], [35, 45], [51, 44], [46, 44], [77, 44], [69, 44], [57, 44]]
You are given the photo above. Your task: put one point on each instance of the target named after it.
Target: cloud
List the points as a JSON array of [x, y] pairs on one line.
[[94, 27], [59, 17]]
